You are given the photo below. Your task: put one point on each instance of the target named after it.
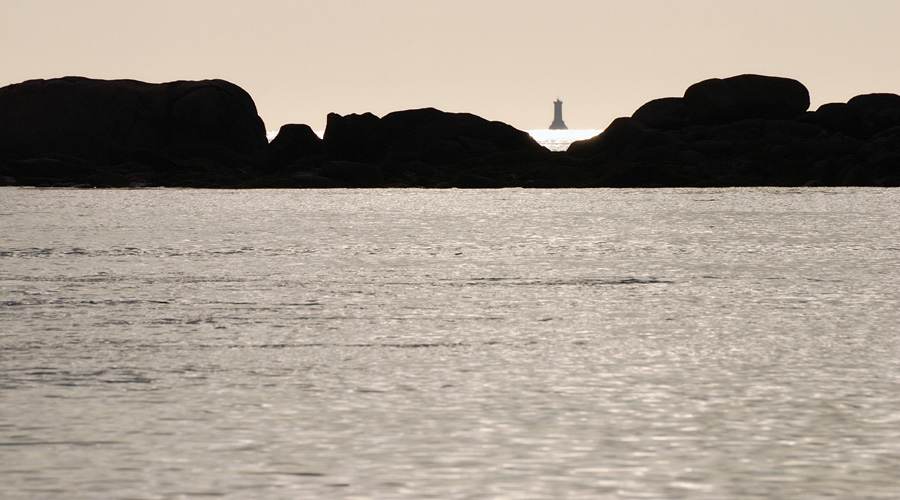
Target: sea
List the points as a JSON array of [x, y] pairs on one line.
[[450, 344], [560, 140]]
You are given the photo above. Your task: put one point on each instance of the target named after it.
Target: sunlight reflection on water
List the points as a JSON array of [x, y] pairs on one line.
[[677, 343], [559, 140]]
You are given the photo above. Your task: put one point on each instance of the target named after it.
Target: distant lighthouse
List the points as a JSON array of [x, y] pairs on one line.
[[558, 123]]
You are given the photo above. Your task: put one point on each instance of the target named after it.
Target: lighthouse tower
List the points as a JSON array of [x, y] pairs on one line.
[[558, 123]]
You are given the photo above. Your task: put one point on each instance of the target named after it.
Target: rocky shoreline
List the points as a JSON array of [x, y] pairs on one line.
[[746, 130]]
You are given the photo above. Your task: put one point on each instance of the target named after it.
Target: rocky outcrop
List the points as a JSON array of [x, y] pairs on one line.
[[621, 134], [744, 97], [293, 141], [419, 147], [749, 130], [429, 135], [74, 131], [105, 122], [665, 113]]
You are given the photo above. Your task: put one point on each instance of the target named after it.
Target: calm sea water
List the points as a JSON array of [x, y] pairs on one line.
[[410, 344], [560, 140]]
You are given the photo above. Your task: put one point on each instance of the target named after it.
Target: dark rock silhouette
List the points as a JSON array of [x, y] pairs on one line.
[[665, 113], [840, 117], [420, 147], [747, 130], [881, 111], [621, 134], [292, 142], [429, 135], [103, 121], [745, 96], [128, 133]]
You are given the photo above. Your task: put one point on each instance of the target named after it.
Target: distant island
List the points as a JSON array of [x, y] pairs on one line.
[[745, 130]]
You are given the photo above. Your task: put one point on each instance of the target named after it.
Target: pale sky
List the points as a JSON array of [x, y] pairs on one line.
[[503, 60]]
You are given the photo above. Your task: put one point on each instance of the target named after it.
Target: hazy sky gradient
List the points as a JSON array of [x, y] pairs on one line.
[[503, 60]]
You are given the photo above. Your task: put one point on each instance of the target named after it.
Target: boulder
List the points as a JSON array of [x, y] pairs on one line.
[[667, 113], [874, 102], [881, 111], [430, 135], [861, 117], [621, 134], [104, 121], [744, 97], [354, 137], [292, 142], [840, 117]]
